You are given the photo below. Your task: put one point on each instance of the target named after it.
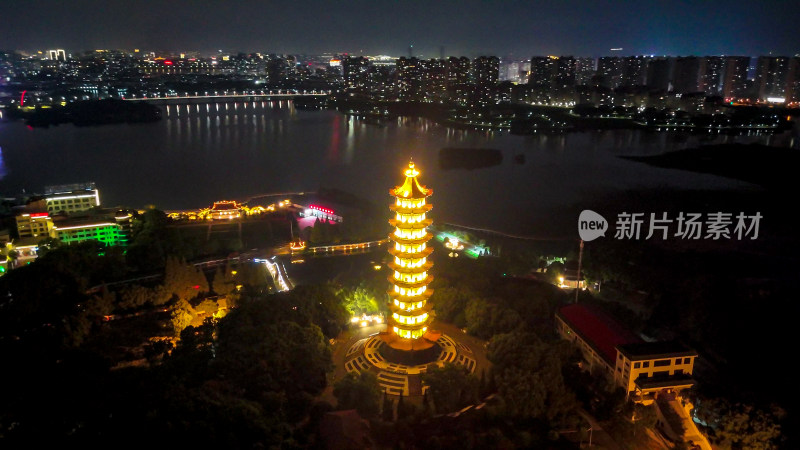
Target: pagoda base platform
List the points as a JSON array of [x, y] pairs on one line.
[[415, 357], [394, 341], [400, 371]]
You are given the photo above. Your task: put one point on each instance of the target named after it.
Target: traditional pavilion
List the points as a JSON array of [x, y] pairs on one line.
[[225, 209], [409, 296]]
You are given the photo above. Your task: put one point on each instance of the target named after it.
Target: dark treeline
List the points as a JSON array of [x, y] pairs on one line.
[[92, 112], [248, 378]]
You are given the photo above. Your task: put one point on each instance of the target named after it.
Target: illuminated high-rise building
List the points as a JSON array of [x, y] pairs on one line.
[[611, 69], [686, 75], [409, 295], [564, 73], [711, 73], [734, 84], [584, 70], [634, 70], [57, 55], [659, 73], [771, 75], [552, 72], [458, 82], [486, 71], [408, 78], [793, 81], [434, 78], [541, 72], [356, 71]]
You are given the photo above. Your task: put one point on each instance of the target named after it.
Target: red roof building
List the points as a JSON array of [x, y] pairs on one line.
[[643, 369], [597, 334]]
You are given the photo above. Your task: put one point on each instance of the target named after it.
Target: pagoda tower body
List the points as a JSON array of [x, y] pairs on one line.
[[409, 295]]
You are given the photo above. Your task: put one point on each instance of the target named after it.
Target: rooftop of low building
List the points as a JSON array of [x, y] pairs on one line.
[[655, 350], [598, 329]]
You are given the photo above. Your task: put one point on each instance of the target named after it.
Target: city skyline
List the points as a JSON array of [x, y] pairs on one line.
[[508, 29]]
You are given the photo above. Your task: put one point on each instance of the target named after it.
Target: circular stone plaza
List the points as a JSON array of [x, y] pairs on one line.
[[409, 346]]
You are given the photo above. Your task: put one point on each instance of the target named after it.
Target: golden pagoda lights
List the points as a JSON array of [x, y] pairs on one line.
[[410, 309]]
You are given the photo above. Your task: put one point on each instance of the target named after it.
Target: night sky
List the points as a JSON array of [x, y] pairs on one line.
[[467, 27]]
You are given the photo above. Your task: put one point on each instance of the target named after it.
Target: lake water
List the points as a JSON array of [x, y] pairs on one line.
[[202, 153]]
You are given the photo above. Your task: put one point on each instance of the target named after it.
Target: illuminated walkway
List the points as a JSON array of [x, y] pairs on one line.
[[278, 273], [346, 248]]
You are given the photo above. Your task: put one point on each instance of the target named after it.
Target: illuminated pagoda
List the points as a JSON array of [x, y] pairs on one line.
[[409, 296], [408, 348]]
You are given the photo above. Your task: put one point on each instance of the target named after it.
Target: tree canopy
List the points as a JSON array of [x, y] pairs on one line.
[[529, 378], [359, 391], [451, 387]]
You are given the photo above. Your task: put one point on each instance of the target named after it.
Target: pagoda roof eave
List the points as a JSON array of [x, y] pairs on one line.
[[414, 285], [425, 309], [398, 268], [410, 241], [404, 255], [403, 326], [410, 225], [425, 208], [403, 298], [411, 189]]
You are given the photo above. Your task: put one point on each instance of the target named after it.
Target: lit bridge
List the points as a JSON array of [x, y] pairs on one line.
[[361, 247], [253, 95]]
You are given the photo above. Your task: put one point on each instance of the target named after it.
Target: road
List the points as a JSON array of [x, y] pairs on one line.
[[690, 434], [278, 273]]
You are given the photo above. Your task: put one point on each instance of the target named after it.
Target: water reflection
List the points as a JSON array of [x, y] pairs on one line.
[[197, 127], [348, 152], [2, 165], [270, 146], [333, 148]]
